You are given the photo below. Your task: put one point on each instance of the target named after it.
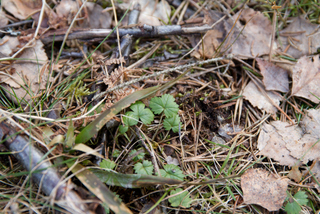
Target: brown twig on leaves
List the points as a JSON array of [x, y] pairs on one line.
[[139, 31]]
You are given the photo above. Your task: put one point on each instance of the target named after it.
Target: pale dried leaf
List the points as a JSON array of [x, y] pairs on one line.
[[254, 40], [274, 77], [212, 39], [290, 144], [8, 45], [258, 99], [264, 188], [273, 139], [305, 38], [3, 19], [306, 78], [173, 161], [307, 148], [97, 18], [67, 9], [152, 11], [30, 72], [22, 9]]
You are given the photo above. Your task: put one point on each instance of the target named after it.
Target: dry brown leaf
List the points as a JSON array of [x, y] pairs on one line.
[[254, 40], [256, 98], [291, 144], [153, 12], [306, 78], [3, 19], [22, 9], [66, 10], [212, 39], [273, 139], [8, 45], [295, 174], [250, 42], [308, 147], [274, 77], [97, 18], [29, 72], [302, 36], [264, 188]]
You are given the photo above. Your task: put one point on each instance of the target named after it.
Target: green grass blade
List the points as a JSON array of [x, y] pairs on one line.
[[99, 189]]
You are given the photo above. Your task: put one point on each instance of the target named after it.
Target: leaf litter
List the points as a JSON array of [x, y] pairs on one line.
[[212, 123]]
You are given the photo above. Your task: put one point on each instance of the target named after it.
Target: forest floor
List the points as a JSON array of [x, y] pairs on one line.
[[162, 107]]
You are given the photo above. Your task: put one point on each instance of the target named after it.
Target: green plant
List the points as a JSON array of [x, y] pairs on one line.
[[172, 171], [107, 164], [164, 105], [144, 168], [182, 199], [295, 202]]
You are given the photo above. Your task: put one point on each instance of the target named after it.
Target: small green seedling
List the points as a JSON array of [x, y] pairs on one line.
[[139, 112], [164, 104], [172, 171], [140, 156], [183, 199], [107, 164], [294, 203], [144, 168]]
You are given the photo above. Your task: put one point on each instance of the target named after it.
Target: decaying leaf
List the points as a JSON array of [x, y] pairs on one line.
[[258, 99], [274, 77], [306, 78], [264, 188], [152, 11], [250, 37], [290, 144], [22, 9], [302, 37], [273, 139], [307, 148], [254, 40], [3, 19], [28, 75], [97, 18]]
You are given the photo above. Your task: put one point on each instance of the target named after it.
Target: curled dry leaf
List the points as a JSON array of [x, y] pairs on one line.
[[30, 71], [274, 77], [306, 78], [258, 99], [152, 11], [22, 9], [264, 188], [295, 174], [301, 36], [290, 144]]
